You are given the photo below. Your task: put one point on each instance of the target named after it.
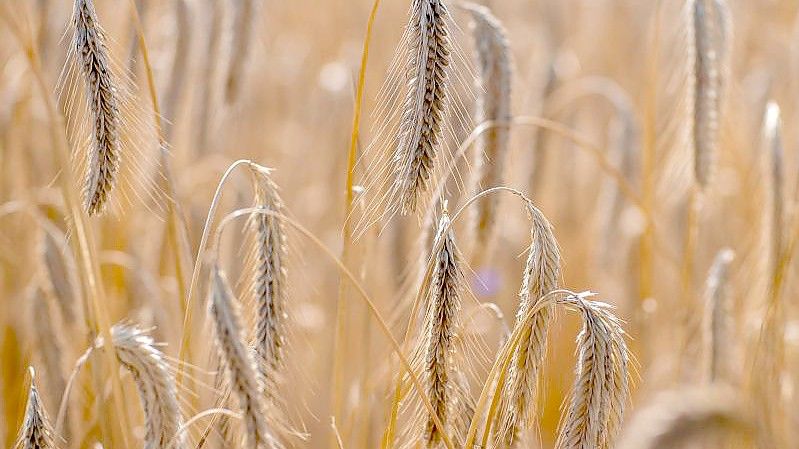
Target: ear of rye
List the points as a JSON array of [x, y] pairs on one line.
[[101, 89], [439, 332], [137, 352], [268, 279], [600, 391], [240, 365], [711, 33], [541, 274], [718, 317], [35, 432], [494, 104], [422, 122]]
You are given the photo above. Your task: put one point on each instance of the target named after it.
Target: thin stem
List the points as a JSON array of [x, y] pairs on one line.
[[195, 275], [340, 338]]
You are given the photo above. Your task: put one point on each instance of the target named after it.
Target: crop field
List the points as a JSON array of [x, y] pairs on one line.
[[399, 224]]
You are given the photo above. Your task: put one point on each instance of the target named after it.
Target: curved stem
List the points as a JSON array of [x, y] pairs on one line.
[[62, 408], [188, 317], [214, 412], [340, 336], [604, 164]]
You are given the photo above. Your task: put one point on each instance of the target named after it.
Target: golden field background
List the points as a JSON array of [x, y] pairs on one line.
[[295, 114]]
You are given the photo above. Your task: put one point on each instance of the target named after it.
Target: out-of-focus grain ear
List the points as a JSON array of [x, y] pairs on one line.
[[494, 105], [676, 417]]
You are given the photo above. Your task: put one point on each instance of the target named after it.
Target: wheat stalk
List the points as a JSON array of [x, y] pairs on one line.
[[36, 432], [138, 353], [133, 43], [541, 274], [102, 94], [44, 33], [240, 365], [710, 52], [428, 57], [493, 56], [717, 318], [677, 417]]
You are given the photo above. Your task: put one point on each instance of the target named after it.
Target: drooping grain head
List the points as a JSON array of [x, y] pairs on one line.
[[268, 278], [423, 113], [769, 352], [242, 370], [443, 303], [494, 104], [35, 432], [138, 353], [541, 275], [601, 391], [101, 89]]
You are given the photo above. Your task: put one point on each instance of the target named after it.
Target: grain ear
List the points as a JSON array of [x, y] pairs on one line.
[[102, 87], [541, 276], [116, 149], [35, 432], [439, 328], [710, 52], [267, 283], [680, 416], [138, 353], [601, 391], [428, 56], [239, 363], [493, 105]]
